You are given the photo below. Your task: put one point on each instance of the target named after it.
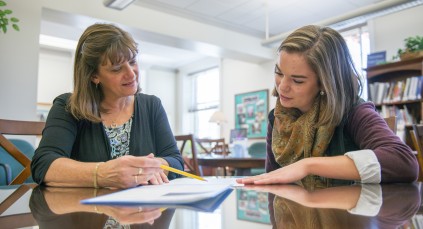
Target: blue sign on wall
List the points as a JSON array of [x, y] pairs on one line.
[[376, 58]]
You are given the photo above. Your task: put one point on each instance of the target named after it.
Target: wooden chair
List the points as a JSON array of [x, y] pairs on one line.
[[14, 127], [215, 146], [210, 146], [191, 164], [417, 139]]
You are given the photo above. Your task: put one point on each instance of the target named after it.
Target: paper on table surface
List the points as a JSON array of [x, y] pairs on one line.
[[210, 180], [178, 191]]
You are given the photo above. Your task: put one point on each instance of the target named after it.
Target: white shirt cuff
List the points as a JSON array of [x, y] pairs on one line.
[[367, 165], [370, 200]]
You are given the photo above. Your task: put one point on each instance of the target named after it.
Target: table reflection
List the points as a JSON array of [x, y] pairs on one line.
[[258, 207], [60, 208], [356, 206]]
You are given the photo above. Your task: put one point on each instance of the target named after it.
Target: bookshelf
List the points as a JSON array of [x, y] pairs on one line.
[[396, 89]]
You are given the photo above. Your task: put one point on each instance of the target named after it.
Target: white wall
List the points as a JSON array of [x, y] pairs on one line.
[[54, 75], [388, 32], [19, 62], [161, 83]]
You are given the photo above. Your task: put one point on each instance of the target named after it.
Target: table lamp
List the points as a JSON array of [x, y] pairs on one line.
[[218, 117]]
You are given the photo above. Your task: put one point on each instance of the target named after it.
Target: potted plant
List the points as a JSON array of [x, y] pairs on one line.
[[413, 48], [6, 19]]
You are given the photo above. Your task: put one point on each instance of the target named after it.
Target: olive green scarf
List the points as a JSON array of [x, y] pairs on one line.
[[295, 135]]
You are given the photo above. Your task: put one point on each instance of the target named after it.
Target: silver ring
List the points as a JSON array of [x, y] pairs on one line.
[[139, 209], [139, 171], [136, 179]]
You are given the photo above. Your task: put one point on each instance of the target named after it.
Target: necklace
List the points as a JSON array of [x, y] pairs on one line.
[[114, 124], [115, 121]]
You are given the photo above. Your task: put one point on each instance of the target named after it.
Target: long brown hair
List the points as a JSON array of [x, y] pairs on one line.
[[99, 43], [327, 54]]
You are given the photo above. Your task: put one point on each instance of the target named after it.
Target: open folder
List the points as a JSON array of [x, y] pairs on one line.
[[179, 192]]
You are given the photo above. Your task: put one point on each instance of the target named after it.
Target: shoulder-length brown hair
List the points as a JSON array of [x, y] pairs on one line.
[[327, 54], [98, 44]]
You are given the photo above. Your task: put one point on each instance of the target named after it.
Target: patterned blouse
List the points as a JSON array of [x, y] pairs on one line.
[[119, 138]]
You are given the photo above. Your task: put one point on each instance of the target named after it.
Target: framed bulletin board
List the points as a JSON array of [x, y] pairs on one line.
[[251, 113]]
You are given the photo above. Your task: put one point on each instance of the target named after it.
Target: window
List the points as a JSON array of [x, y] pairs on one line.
[[205, 101], [358, 42]]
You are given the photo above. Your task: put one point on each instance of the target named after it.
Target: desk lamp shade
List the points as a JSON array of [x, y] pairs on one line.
[[218, 117]]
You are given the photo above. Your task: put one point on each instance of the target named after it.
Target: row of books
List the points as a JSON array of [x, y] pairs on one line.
[[403, 114], [396, 91], [404, 118]]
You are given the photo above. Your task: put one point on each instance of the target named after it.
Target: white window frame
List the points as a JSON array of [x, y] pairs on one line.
[[196, 107]]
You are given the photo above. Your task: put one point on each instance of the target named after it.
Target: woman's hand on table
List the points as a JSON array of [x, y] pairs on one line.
[[285, 175]]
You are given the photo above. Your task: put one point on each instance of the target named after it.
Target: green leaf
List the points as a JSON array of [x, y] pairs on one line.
[[8, 11], [13, 19], [16, 27], [4, 28], [2, 3], [4, 21], [2, 13]]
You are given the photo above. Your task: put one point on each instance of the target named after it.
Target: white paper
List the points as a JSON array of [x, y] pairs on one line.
[[178, 191], [224, 180]]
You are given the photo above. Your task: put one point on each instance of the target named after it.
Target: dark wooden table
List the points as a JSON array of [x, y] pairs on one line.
[[392, 205], [242, 166]]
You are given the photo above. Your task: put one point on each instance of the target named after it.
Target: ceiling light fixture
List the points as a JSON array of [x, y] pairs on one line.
[[117, 4]]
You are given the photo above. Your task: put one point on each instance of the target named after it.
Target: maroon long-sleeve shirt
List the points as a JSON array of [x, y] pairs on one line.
[[369, 131]]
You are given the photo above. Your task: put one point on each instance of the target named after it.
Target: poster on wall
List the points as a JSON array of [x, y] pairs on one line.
[[42, 111], [251, 113], [252, 206]]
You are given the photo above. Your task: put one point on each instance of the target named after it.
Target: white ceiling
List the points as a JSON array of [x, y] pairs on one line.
[[249, 16], [243, 16]]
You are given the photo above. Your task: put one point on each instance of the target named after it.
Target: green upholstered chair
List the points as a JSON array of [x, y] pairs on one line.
[[257, 150], [10, 167]]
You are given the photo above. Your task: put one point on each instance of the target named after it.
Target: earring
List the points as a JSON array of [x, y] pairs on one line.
[[96, 86], [322, 93]]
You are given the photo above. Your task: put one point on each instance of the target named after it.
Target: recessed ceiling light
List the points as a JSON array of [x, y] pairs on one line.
[[117, 4]]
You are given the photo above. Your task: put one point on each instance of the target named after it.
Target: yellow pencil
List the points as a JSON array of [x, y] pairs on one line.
[[181, 172]]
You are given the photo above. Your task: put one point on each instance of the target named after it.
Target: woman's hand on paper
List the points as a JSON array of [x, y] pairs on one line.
[[128, 171], [159, 177]]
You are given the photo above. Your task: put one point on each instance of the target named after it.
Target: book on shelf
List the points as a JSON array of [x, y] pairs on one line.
[[407, 89], [419, 87], [400, 124]]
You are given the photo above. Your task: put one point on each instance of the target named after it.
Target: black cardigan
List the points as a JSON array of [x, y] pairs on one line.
[[81, 140]]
